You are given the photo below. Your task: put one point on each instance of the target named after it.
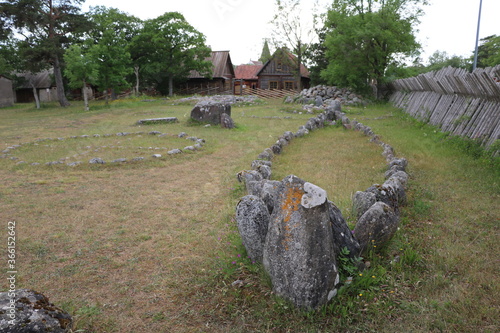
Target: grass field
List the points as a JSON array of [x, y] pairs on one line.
[[151, 246]]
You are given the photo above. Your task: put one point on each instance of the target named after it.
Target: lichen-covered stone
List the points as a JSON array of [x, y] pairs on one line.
[[362, 201], [299, 252], [226, 121], [342, 235], [26, 311], [386, 194], [252, 218], [210, 111], [376, 227]]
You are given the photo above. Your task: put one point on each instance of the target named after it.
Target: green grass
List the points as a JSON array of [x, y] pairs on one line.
[[153, 246]]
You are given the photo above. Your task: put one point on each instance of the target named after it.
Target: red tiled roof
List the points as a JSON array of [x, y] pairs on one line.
[[247, 72]]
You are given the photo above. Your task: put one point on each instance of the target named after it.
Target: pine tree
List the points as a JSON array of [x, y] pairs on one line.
[[266, 54]]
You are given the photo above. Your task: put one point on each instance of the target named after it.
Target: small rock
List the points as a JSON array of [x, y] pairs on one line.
[[97, 160]]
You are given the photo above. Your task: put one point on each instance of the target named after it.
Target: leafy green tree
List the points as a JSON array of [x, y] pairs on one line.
[[365, 37], [109, 42], [47, 27], [489, 52], [266, 53], [441, 59], [81, 69], [168, 48]]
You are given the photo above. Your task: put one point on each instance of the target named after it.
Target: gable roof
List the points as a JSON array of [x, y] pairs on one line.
[[247, 72], [41, 80], [304, 72], [219, 60]]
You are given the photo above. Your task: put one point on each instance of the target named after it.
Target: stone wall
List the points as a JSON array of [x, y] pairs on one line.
[[292, 228]]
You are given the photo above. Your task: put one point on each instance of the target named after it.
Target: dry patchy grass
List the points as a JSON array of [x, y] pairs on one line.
[[152, 246]]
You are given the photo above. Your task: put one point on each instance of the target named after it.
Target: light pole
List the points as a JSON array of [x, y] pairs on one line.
[[477, 36]]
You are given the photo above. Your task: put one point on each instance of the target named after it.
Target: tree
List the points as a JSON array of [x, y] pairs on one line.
[[168, 48], [81, 69], [441, 59], [109, 42], [366, 37], [47, 26], [489, 52], [124, 27], [266, 53], [289, 31]]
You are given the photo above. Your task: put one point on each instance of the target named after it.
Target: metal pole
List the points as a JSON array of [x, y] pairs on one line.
[[477, 36]]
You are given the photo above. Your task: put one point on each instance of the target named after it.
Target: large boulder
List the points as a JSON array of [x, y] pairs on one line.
[[299, 252], [376, 227], [26, 311], [252, 218], [210, 111]]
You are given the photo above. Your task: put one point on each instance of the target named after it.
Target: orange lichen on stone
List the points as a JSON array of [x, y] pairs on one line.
[[291, 203]]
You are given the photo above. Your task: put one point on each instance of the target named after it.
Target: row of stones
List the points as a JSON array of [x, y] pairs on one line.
[[264, 218], [198, 144]]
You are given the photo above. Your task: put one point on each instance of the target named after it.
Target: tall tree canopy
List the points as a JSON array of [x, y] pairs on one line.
[[109, 46], [489, 52], [366, 36], [47, 27], [168, 48]]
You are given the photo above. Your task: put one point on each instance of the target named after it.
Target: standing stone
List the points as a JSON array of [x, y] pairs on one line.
[[362, 201], [210, 111], [269, 193], [252, 218], [386, 194], [342, 235], [398, 188], [376, 227], [299, 252], [226, 121], [33, 313]]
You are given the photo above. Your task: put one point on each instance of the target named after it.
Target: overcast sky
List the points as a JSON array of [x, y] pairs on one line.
[[240, 26]]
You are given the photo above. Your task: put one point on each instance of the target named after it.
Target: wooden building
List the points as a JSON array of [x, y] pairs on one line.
[[246, 77], [280, 72], [44, 84], [6, 92], [221, 81]]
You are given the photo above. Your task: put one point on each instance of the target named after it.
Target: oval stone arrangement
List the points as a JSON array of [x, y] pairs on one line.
[[292, 228], [194, 145]]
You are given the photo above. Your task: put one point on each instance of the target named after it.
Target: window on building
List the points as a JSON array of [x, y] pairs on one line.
[[273, 85], [289, 85], [279, 66]]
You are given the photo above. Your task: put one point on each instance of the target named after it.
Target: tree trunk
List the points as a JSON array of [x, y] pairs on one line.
[[299, 60], [35, 94], [136, 71], [170, 85], [85, 97], [59, 83]]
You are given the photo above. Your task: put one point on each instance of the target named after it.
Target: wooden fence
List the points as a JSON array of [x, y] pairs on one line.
[[459, 102], [268, 93]]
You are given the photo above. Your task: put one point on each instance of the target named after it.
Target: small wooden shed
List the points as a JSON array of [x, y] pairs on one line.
[[44, 84], [280, 72], [6, 92], [221, 81]]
